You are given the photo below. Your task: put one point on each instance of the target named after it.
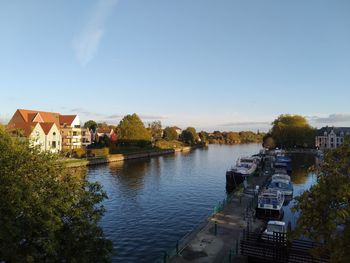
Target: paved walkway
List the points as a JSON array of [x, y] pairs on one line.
[[207, 247]]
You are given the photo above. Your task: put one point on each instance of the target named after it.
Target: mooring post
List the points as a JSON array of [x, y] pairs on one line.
[[236, 247], [165, 258], [230, 256], [215, 228], [177, 247]]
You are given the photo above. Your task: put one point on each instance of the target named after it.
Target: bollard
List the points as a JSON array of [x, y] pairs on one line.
[[215, 228], [236, 247], [177, 248], [165, 258]]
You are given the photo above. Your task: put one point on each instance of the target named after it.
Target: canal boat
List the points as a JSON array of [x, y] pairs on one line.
[[282, 183], [270, 203], [245, 166], [283, 163]]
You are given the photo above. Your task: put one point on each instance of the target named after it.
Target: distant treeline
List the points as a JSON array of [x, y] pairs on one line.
[[218, 137]]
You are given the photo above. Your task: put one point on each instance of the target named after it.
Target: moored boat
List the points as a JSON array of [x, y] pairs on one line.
[[270, 203], [282, 183]]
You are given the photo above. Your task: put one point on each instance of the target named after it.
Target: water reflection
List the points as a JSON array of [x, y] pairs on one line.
[[154, 202]]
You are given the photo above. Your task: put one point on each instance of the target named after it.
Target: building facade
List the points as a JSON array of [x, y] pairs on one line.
[[331, 137], [73, 135], [42, 128], [50, 131]]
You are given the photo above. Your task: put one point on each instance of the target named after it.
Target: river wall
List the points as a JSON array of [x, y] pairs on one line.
[[124, 157]]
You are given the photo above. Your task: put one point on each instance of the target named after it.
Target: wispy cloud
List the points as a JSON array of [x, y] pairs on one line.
[[87, 41], [152, 117], [251, 123], [332, 118]]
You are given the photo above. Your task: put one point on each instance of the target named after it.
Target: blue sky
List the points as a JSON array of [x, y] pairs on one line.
[[227, 65]]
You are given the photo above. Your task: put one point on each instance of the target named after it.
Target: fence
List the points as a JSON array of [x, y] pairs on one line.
[[276, 248]]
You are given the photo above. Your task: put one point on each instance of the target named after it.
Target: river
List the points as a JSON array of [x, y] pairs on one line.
[[154, 202]]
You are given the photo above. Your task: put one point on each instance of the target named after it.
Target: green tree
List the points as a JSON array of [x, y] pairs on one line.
[[204, 136], [325, 208], [189, 136], [48, 213], [131, 129], [155, 128], [91, 125], [290, 131], [170, 134]]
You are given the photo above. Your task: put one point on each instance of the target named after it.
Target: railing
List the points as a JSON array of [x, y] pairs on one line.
[[181, 244]]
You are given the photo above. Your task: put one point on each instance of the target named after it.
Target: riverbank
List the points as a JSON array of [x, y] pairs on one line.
[[218, 238], [74, 163]]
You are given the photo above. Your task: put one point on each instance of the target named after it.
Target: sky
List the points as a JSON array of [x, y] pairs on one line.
[[212, 64]]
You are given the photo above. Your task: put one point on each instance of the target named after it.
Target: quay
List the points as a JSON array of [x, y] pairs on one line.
[[218, 240], [75, 163]]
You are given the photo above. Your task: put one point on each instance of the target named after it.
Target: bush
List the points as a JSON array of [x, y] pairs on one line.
[[79, 153], [101, 152]]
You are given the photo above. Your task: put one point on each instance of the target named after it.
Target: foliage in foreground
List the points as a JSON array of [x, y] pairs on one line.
[[325, 208], [47, 213]]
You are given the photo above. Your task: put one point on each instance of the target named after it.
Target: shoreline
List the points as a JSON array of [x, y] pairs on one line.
[[75, 163]]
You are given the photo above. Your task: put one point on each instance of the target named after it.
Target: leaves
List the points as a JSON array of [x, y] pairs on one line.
[[48, 213], [325, 208]]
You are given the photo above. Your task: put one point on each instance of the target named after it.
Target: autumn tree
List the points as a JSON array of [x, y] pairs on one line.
[[170, 134], [189, 136], [155, 128], [325, 208], [48, 212], [290, 131], [131, 130]]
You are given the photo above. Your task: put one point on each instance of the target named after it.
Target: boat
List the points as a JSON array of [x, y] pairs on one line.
[[282, 183], [283, 164], [245, 166], [275, 227], [270, 203]]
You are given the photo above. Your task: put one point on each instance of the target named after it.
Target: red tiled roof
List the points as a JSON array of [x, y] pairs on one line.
[[46, 116], [67, 119], [46, 126]]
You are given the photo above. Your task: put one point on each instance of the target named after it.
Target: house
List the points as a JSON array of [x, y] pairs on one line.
[[73, 135], [331, 137], [51, 131], [41, 127], [102, 132]]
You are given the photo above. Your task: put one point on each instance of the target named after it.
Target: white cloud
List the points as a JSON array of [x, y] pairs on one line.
[[331, 119], [86, 43]]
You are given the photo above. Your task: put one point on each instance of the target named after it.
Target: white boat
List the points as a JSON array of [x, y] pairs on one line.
[[270, 203], [274, 227], [245, 166], [282, 183]]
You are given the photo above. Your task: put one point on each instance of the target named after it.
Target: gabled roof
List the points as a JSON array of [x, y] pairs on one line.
[[46, 126], [104, 130], [29, 115], [67, 119], [336, 130]]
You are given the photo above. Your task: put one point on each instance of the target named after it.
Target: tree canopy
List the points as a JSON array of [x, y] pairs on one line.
[[170, 134], [290, 131], [91, 125], [131, 128], [325, 208], [48, 213], [155, 128], [189, 136]]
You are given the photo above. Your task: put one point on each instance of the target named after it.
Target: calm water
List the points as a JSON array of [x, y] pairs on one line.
[[154, 202]]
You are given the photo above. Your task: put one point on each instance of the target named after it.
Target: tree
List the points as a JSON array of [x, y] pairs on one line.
[[131, 128], [290, 131], [91, 125], [170, 134], [156, 130], [269, 142], [204, 136], [48, 213], [325, 208], [189, 136]]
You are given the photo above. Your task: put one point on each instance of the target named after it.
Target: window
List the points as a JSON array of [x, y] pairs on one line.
[[84, 133], [54, 134], [332, 139], [75, 133]]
